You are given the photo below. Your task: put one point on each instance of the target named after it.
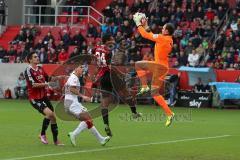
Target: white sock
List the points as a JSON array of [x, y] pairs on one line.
[[81, 127], [95, 132]]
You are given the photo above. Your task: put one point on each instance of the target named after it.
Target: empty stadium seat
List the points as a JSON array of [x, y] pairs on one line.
[[63, 19], [75, 17], [145, 49]]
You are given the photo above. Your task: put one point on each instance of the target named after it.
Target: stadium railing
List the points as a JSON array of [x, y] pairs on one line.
[[53, 15]]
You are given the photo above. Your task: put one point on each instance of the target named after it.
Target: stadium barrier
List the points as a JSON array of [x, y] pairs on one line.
[[195, 100], [221, 75], [9, 73]]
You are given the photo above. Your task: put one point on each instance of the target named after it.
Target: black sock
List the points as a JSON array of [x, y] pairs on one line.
[[54, 128], [133, 109], [132, 103], [45, 125], [105, 116]]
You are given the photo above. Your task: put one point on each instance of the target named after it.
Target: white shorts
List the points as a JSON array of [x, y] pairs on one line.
[[74, 108]]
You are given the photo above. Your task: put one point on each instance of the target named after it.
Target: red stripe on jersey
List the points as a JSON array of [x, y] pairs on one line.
[[35, 76]]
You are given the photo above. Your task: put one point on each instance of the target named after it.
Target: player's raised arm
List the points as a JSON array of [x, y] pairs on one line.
[[140, 20], [149, 35]]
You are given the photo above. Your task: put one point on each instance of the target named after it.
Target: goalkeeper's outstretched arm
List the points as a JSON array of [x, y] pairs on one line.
[[150, 35]]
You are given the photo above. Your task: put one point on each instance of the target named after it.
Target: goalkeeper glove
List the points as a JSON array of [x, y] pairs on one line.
[[137, 17]]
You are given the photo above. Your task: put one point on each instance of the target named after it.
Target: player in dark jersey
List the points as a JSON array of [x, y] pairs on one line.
[[37, 82], [103, 77]]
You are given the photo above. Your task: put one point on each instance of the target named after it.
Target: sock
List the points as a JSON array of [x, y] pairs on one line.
[[45, 125], [131, 102], [54, 129], [105, 116], [161, 101], [95, 132], [81, 127], [133, 109]]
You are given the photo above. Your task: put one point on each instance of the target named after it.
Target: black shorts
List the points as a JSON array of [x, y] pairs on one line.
[[105, 82], [41, 104]]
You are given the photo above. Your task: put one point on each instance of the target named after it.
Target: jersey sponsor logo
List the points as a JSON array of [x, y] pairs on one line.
[[155, 35]]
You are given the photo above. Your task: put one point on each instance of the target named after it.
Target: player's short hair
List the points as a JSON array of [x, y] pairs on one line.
[[29, 56], [106, 38], [170, 27]]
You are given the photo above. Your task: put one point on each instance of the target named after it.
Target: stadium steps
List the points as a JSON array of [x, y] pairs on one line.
[[99, 6], [9, 35]]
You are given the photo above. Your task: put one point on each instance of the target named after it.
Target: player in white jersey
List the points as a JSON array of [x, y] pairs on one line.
[[75, 108]]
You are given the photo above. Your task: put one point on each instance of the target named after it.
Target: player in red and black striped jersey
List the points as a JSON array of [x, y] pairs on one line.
[[37, 81], [103, 77]]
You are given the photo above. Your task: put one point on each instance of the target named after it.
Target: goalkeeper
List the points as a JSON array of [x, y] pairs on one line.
[[158, 67]]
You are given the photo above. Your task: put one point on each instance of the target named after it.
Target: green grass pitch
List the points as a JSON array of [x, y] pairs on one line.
[[196, 134]]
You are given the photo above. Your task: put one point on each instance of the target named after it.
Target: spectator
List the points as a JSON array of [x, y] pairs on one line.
[[83, 47], [51, 45], [75, 53], [43, 57], [108, 12], [92, 30], [126, 11], [29, 37], [126, 29], [189, 48], [66, 38], [61, 46], [21, 37], [182, 59], [52, 55], [193, 59], [199, 13], [118, 20], [199, 87], [90, 48], [21, 87], [47, 38], [39, 45], [12, 52], [136, 56], [229, 59], [78, 38], [210, 14], [2, 54], [63, 56]]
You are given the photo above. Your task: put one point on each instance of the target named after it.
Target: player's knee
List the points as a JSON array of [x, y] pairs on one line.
[[52, 117], [89, 123]]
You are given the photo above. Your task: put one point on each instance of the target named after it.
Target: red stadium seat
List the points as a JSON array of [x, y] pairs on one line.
[[73, 31], [56, 33], [92, 39], [45, 30], [63, 19], [75, 17], [145, 49], [12, 59], [98, 40], [236, 58]]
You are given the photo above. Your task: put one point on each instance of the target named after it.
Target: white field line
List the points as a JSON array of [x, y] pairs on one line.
[[117, 147]]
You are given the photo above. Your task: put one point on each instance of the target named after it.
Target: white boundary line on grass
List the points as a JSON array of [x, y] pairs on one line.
[[117, 147]]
